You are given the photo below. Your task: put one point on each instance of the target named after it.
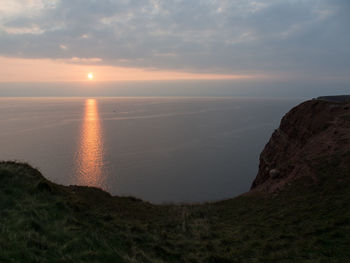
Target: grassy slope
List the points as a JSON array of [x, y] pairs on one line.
[[44, 222]]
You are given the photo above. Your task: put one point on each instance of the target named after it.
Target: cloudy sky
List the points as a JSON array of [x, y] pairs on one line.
[[130, 40]]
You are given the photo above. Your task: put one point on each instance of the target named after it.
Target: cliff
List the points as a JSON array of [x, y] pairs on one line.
[[316, 131], [306, 220]]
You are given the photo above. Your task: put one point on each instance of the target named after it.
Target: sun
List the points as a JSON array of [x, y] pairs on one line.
[[90, 76]]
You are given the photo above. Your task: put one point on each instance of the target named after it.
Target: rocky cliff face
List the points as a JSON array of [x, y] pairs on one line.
[[314, 131]]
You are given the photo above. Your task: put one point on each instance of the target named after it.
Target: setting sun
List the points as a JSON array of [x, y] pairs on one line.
[[90, 76]]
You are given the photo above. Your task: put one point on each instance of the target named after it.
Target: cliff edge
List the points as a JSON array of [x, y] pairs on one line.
[[308, 221], [312, 133]]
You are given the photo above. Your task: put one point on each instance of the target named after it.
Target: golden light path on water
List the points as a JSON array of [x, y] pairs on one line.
[[89, 157]]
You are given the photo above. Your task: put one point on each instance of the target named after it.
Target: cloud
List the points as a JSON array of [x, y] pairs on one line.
[[223, 36], [32, 29], [10, 9], [85, 60]]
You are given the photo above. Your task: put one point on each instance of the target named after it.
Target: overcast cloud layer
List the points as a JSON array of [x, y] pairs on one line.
[[227, 36]]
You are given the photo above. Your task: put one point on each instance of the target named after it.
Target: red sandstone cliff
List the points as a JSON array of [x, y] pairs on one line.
[[310, 132]]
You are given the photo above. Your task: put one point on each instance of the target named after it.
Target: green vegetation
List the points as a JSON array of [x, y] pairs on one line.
[[308, 221]]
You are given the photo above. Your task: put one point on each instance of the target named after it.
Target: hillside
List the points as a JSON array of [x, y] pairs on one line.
[[299, 212]]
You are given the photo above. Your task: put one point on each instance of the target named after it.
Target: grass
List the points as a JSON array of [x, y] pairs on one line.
[[305, 222]]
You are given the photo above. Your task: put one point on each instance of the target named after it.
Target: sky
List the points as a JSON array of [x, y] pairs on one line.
[[174, 47]]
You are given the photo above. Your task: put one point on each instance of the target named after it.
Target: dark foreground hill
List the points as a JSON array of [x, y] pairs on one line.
[[299, 212]]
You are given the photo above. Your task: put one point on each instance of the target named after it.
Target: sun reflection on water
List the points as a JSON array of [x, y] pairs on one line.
[[89, 157]]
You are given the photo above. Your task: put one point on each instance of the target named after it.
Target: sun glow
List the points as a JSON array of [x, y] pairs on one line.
[[89, 157], [47, 70]]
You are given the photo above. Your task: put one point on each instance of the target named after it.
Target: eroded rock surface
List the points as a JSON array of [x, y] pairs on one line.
[[314, 130]]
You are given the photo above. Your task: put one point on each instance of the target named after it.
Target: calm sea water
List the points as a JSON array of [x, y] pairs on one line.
[[157, 149]]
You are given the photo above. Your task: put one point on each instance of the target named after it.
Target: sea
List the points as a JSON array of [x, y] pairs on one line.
[[159, 149]]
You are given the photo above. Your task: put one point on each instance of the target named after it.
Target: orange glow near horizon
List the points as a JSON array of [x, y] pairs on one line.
[[47, 70], [89, 157]]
